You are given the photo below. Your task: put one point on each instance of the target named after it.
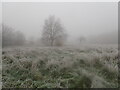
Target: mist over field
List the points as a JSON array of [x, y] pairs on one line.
[[91, 20], [59, 45]]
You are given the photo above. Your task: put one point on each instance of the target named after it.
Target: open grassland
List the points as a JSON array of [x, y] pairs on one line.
[[60, 67]]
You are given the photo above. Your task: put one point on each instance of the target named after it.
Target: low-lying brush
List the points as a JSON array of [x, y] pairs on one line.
[[60, 68]]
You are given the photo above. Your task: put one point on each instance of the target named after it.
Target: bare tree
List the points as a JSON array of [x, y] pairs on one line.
[[53, 32]]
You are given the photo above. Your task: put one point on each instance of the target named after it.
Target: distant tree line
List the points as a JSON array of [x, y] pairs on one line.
[[10, 37], [0, 36], [53, 34]]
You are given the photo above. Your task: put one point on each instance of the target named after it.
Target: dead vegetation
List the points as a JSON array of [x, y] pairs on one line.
[[60, 67]]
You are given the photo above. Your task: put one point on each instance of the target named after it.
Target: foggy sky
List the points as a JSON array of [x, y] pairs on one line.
[[0, 12], [84, 19]]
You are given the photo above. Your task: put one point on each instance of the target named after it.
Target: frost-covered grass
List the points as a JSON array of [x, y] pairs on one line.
[[60, 67]]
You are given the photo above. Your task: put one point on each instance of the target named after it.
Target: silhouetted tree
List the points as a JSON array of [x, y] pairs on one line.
[[53, 32]]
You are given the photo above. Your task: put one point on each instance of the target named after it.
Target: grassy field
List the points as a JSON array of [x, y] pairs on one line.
[[60, 67]]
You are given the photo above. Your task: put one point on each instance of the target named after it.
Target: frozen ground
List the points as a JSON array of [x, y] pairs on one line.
[[59, 67]]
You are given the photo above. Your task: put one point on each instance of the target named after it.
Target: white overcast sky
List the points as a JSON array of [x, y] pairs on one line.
[[82, 18], [0, 12]]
